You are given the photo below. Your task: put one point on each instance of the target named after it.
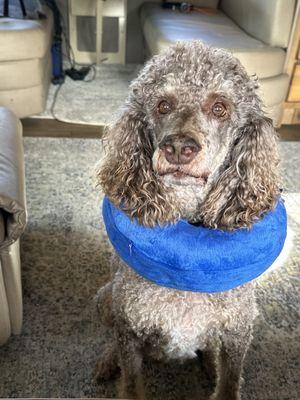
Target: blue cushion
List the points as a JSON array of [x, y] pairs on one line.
[[186, 257]]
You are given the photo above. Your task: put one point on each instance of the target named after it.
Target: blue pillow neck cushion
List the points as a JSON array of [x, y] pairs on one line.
[[198, 259]]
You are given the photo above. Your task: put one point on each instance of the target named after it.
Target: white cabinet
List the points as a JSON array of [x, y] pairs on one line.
[[99, 9]]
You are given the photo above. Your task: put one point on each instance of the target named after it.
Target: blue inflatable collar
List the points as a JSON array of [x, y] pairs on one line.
[[199, 259]]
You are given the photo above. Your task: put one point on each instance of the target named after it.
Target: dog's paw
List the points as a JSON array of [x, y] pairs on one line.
[[104, 372], [107, 366]]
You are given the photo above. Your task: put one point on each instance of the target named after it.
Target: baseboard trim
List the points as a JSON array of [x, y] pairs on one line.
[[40, 127]]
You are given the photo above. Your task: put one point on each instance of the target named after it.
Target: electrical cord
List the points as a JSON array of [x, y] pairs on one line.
[[52, 107], [73, 72]]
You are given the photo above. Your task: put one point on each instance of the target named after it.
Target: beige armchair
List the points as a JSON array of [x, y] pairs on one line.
[[257, 32], [25, 63], [12, 223]]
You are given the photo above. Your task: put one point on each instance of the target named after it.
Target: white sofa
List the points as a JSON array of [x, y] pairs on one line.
[[257, 32]]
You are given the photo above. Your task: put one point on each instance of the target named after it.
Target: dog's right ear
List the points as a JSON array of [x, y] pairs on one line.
[[248, 187], [126, 174]]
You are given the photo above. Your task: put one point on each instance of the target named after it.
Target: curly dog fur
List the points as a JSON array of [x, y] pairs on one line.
[[192, 142]]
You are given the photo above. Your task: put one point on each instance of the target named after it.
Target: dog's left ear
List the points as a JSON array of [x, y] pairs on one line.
[[248, 185], [126, 174]]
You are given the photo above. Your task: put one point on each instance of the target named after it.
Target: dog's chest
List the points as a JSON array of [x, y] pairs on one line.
[[176, 322]]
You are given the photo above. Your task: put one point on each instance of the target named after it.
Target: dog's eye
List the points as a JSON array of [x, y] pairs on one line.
[[219, 110], [164, 107]]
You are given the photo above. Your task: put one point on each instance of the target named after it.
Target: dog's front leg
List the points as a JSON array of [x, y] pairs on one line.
[[130, 361], [229, 369]]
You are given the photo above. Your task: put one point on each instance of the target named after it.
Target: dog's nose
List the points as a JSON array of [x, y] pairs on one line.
[[179, 149]]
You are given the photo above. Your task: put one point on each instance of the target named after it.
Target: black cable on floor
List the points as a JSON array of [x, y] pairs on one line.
[[73, 72]]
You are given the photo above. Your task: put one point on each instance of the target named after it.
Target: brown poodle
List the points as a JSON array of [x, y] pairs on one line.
[[192, 142]]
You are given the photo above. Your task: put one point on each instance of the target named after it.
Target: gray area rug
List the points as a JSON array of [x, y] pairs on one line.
[[65, 260], [93, 102]]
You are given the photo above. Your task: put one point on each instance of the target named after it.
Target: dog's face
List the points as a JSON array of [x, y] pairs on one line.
[[191, 134], [193, 142], [191, 128]]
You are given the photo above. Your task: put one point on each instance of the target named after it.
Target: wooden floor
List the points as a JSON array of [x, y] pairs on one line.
[[51, 128]]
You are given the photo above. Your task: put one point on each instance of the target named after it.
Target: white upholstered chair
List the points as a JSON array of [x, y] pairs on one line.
[[25, 63], [12, 223]]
